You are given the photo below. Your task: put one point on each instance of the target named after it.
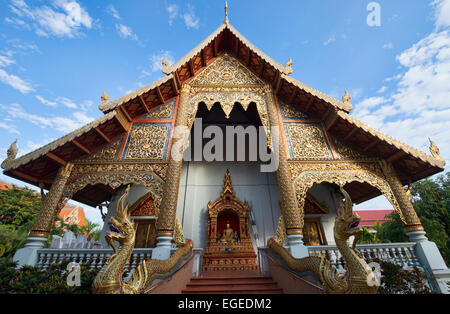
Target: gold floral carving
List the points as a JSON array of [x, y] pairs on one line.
[[51, 204], [147, 141], [305, 175], [163, 112], [107, 153], [307, 141], [289, 112], [226, 71], [346, 152], [411, 221], [151, 175], [166, 220], [288, 201]]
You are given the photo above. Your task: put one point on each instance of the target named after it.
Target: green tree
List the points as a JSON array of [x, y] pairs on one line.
[[371, 237], [431, 201], [18, 210], [18, 206]]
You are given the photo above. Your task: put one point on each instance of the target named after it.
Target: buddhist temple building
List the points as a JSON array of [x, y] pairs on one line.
[[225, 197]]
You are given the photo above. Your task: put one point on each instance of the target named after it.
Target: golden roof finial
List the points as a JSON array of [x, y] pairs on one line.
[[226, 12], [105, 97]]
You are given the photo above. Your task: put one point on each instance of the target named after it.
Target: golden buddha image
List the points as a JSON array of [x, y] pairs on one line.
[[228, 234]]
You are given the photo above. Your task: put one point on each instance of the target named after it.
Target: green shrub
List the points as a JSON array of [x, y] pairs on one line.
[[32, 280], [396, 280]]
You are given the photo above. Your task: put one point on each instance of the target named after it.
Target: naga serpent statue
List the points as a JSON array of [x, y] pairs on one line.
[[358, 276], [110, 278]]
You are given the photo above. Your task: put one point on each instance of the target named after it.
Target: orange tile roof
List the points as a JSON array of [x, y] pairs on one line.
[[370, 217]]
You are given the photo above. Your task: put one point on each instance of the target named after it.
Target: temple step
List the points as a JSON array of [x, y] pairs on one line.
[[232, 285]]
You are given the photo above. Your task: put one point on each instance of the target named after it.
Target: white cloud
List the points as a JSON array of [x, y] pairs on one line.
[[15, 82], [66, 102], [173, 10], [63, 124], [126, 32], [63, 19], [112, 10], [382, 89], [190, 19], [442, 13], [45, 101], [388, 46], [6, 61], [9, 128], [331, 39], [419, 106]]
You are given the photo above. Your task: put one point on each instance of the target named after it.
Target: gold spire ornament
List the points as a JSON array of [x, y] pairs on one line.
[[434, 150], [226, 12], [105, 97], [11, 154]]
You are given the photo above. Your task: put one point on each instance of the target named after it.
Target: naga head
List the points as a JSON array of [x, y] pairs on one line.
[[347, 222], [121, 226]]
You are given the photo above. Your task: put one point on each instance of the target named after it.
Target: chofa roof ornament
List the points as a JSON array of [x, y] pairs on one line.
[[11, 154], [105, 97], [288, 67], [434, 150], [165, 66], [346, 98]]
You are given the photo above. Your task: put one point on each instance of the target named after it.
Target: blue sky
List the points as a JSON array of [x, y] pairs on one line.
[[58, 56]]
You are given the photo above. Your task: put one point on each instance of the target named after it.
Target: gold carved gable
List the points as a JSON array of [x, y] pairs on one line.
[[147, 141], [107, 153], [346, 152], [307, 141], [289, 112], [226, 71]]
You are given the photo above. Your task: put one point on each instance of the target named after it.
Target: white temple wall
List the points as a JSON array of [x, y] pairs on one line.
[[201, 182], [324, 193]]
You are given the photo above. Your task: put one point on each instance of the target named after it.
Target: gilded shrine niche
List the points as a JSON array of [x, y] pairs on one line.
[[144, 215], [229, 246]]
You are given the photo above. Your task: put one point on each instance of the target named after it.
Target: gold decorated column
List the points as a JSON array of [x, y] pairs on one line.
[[411, 221], [293, 215], [166, 219], [51, 204]]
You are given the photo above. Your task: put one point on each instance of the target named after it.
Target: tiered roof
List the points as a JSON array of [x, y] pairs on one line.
[[40, 166]]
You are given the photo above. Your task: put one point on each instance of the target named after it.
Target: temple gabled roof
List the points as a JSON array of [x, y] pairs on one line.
[[40, 166]]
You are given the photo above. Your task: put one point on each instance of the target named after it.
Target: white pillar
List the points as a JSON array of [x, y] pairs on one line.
[[28, 255], [296, 246], [163, 248], [430, 257]]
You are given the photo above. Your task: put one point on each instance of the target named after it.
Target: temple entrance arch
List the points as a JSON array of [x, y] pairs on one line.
[[228, 100], [306, 179]]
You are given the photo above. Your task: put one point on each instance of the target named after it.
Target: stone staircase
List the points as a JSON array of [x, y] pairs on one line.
[[232, 285]]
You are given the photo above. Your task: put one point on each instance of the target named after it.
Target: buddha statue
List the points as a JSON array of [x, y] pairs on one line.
[[228, 234]]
